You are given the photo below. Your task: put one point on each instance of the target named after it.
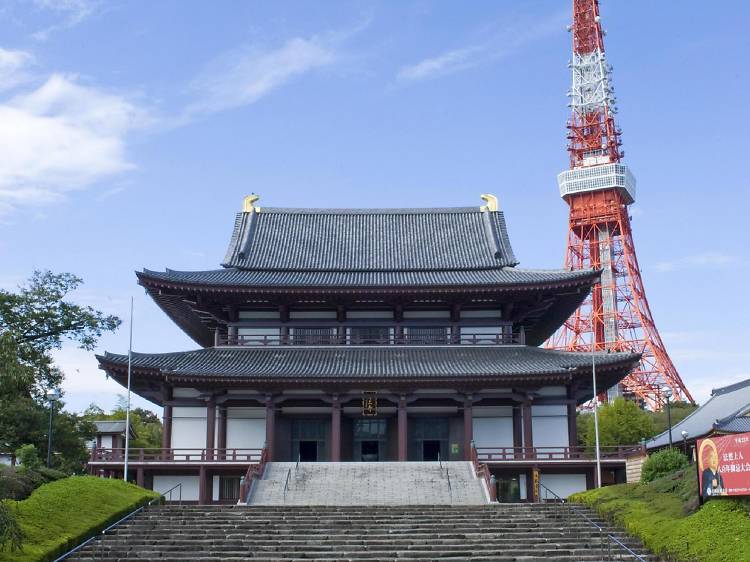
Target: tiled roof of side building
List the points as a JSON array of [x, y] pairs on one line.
[[370, 240], [727, 400], [249, 278], [365, 362]]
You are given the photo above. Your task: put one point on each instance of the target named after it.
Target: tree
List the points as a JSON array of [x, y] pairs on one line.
[[621, 422], [36, 320], [146, 424], [679, 411]]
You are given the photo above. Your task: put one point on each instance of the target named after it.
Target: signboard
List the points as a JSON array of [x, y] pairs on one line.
[[369, 404], [724, 465]]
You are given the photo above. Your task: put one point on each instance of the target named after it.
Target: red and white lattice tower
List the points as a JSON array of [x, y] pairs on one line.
[[598, 188]]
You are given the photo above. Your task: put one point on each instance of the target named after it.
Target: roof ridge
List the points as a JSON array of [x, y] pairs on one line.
[[730, 388], [371, 211]]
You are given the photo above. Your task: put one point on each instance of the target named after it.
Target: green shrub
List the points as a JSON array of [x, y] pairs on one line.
[[662, 463], [64, 513], [11, 535], [17, 483], [28, 457]]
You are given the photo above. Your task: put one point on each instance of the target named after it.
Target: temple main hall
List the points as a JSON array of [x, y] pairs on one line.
[[367, 335]]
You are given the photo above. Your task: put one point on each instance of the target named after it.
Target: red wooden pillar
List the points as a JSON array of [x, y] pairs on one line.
[[517, 433], [336, 429], [468, 427], [528, 437], [166, 436], [140, 477], [402, 433], [270, 422], [221, 437], [204, 490], [210, 428]]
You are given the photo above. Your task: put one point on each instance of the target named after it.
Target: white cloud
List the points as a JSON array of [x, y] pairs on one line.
[[496, 41], [706, 260], [60, 137], [243, 77], [447, 63], [71, 12], [14, 68]]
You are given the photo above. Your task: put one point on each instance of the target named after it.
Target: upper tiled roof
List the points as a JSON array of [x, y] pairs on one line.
[[491, 277], [367, 240], [370, 362], [112, 426], [725, 403]]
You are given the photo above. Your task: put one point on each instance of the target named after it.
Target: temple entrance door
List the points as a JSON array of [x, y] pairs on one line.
[[308, 451], [431, 450], [310, 440], [428, 439], [508, 489], [370, 451], [370, 439]]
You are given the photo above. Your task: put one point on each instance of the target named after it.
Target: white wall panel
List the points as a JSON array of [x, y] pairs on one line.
[[190, 486], [188, 427], [562, 484], [493, 432], [246, 433], [106, 441], [549, 431]]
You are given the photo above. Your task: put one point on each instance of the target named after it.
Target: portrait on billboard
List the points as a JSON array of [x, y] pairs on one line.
[[708, 459], [724, 465]]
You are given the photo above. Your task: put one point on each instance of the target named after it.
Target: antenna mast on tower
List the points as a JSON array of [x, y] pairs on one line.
[[598, 188]]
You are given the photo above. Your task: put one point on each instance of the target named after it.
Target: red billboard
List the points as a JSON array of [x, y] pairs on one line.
[[724, 465]]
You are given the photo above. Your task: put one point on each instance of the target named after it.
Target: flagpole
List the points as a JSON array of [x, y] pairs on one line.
[[127, 410], [596, 418]]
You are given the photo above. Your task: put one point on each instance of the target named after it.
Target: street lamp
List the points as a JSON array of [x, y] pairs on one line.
[[52, 396], [668, 394], [684, 441]]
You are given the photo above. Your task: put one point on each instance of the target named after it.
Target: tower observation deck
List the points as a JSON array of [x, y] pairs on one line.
[[599, 187]]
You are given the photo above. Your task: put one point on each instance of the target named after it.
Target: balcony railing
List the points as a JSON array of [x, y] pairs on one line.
[[194, 456], [500, 454], [274, 338]]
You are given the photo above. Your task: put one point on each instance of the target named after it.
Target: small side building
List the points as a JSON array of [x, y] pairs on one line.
[[726, 412]]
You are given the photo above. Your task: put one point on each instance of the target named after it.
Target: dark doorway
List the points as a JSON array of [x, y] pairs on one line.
[[308, 451], [370, 451], [431, 450]]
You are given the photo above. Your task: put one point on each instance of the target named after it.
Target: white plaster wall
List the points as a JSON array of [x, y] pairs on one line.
[[190, 486], [246, 428], [481, 314], [188, 427], [215, 488], [493, 432], [259, 314], [106, 441], [562, 484], [558, 391], [549, 426]]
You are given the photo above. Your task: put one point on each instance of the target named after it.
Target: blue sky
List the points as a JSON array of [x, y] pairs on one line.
[[130, 132]]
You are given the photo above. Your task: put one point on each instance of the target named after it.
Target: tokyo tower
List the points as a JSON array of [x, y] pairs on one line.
[[598, 187]]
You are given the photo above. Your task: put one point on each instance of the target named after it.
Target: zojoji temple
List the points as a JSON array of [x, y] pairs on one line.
[[367, 335]]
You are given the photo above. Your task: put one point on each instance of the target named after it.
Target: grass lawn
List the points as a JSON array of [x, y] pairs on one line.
[[663, 515], [59, 515]]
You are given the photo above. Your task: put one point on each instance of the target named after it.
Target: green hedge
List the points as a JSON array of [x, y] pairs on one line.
[[17, 483], [59, 515], [659, 514]]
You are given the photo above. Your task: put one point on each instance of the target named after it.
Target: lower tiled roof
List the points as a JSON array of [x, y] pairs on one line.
[[369, 362]]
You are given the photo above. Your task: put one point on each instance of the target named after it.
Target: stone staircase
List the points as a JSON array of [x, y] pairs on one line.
[[368, 484], [498, 532]]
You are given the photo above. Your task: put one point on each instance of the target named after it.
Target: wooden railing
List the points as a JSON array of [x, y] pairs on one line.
[[254, 471], [136, 455], [483, 471], [498, 454], [275, 338]]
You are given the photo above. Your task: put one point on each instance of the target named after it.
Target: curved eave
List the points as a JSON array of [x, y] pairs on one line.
[[171, 295], [149, 380]]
